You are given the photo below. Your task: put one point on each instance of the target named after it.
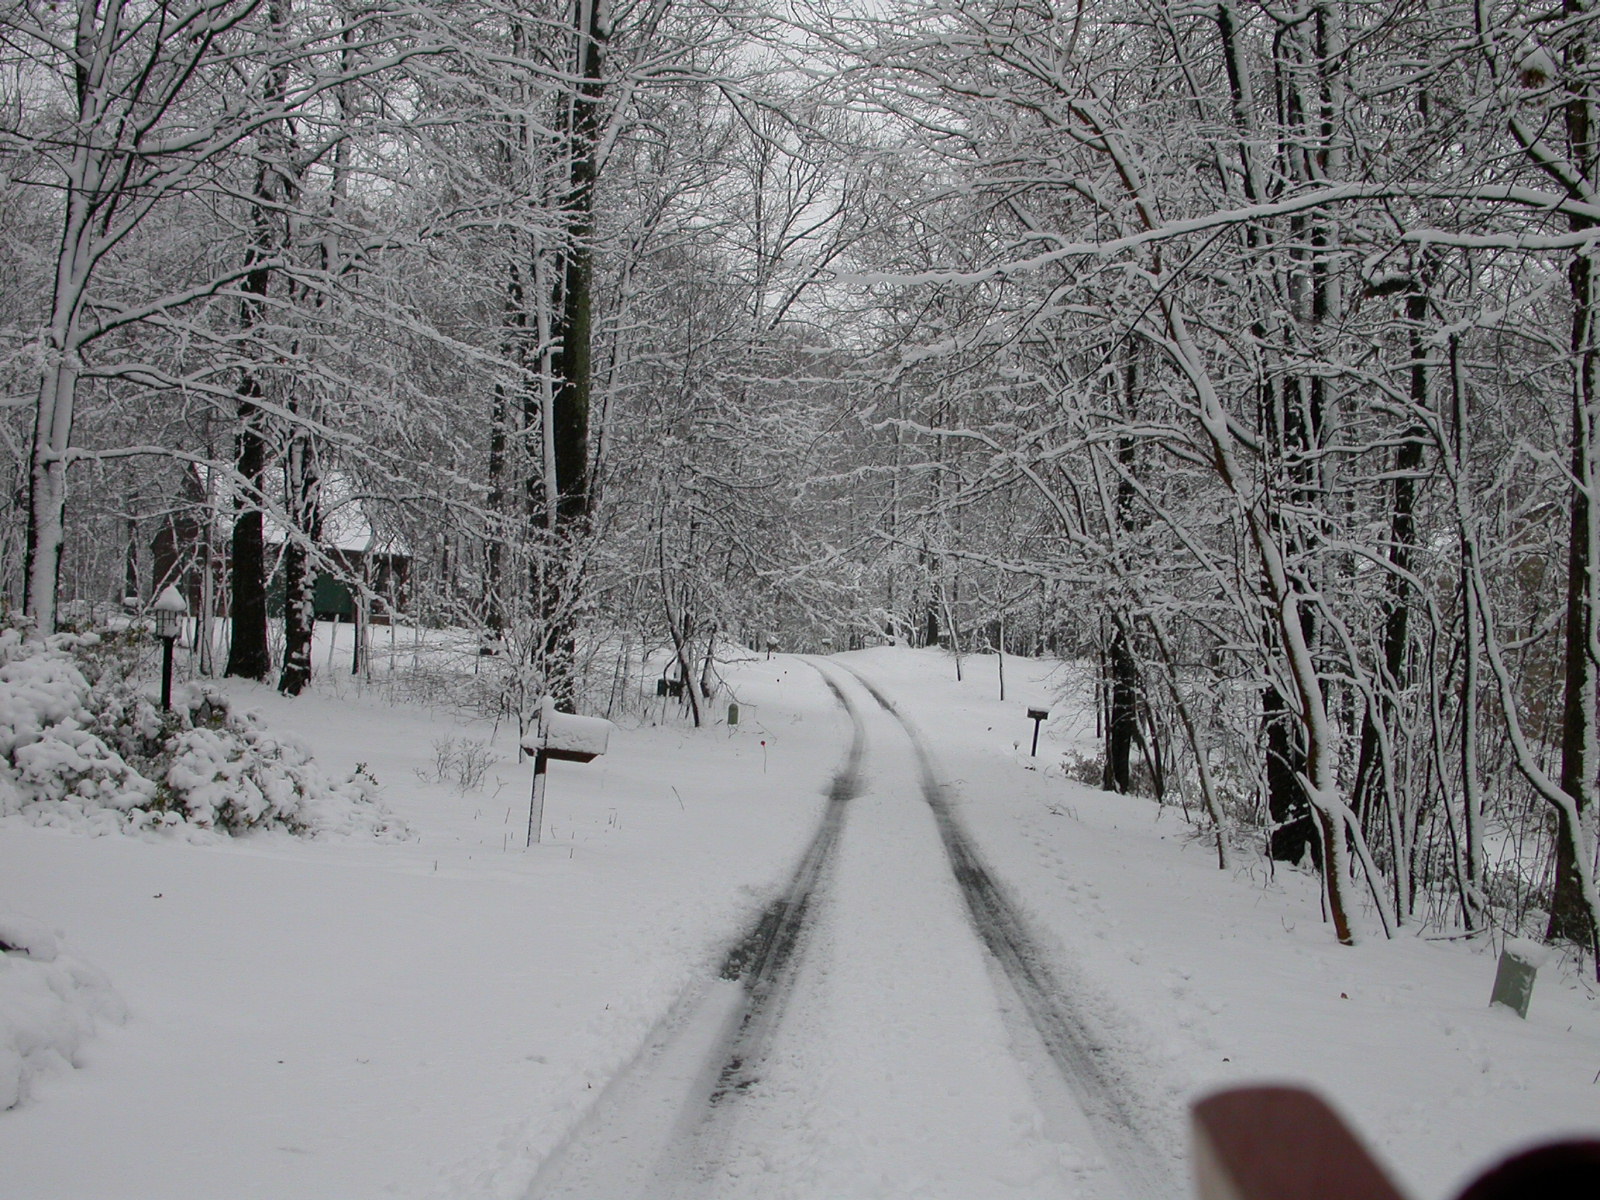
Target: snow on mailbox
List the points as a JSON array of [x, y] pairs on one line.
[[561, 736], [576, 739]]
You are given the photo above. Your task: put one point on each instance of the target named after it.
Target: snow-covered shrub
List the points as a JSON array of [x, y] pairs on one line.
[[462, 761], [50, 1004], [82, 746], [1089, 769]]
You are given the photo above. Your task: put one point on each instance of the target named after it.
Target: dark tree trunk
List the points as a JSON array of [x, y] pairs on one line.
[[1293, 831], [1295, 412], [1402, 546], [298, 620], [573, 364], [514, 347], [574, 383], [299, 608], [1122, 724], [1570, 914], [1122, 719], [248, 654], [130, 566]]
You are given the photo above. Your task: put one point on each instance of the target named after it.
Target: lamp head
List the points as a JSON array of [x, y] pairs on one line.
[[169, 609]]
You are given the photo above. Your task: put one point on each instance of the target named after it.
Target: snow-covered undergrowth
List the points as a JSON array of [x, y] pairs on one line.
[[82, 747], [50, 1004]]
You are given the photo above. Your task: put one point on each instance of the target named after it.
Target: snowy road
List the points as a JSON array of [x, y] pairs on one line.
[[888, 1029]]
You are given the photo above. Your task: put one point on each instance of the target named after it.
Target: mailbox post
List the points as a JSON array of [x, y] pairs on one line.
[[1038, 716], [567, 738]]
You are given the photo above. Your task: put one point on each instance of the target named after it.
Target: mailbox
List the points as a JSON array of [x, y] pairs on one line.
[[1038, 716], [576, 739], [568, 738], [561, 736]]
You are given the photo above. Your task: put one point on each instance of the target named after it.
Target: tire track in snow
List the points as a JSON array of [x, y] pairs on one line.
[[1083, 1065], [764, 961], [641, 1136]]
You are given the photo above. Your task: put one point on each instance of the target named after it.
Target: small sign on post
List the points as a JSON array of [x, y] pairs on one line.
[[1038, 716], [560, 736], [1520, 961]]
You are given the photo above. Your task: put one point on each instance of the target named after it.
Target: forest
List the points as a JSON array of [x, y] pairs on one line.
[[1244, 351]]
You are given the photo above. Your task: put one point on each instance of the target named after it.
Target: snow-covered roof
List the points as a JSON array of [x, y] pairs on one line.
[[345, 524]]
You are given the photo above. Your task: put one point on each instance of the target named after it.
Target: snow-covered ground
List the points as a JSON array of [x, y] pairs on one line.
[[431, 1018], [1203, 978]]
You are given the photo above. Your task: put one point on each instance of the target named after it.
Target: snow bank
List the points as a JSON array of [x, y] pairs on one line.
[[82, 748], [50, 1004]]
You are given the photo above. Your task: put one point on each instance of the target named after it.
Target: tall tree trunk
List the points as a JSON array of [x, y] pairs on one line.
[[1122, 721], [1294, 833], [494, 601], [1287, 601], [47, 485], [130, 565], [1570, 913], [99, 32], [303, 461], [130, 145], [249, 656], [303, 491], [1473, 900], [567, 421], [1376, 786], [574, 334], [514, 349], [1575, 903], [1570, 916]]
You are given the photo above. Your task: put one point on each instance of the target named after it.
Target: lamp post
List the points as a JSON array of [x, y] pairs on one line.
[[169, 608]]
